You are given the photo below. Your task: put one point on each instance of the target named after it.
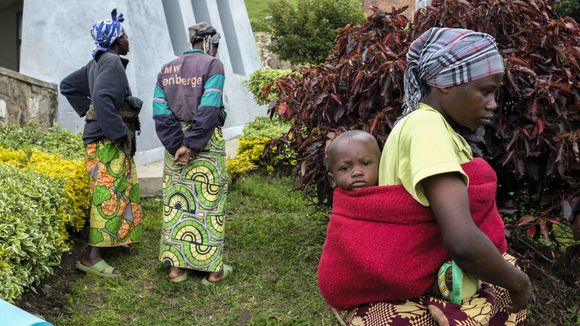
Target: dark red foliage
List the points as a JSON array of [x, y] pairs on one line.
[[534, 142], [359, 87]]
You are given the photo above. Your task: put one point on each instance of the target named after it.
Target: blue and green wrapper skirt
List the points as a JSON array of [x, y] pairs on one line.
[[194, 198]]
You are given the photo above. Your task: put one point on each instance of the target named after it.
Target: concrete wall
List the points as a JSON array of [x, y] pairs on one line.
[[24, 99], [9, 26], [156, 29]]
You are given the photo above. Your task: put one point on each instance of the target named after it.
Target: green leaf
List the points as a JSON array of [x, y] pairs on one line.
[[107, 153], [121, 184], [95, 236], [100, 195], [114, 224], [134, 194]]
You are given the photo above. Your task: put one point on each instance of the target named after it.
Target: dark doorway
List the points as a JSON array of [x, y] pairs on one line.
[[11, 27]]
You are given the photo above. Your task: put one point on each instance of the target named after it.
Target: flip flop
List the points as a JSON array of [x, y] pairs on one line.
[[100, 268], [227, 270], [181, 278], [457, 276]]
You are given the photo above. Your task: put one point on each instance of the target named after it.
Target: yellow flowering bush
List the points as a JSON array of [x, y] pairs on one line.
[[250, 155], [75, 181]]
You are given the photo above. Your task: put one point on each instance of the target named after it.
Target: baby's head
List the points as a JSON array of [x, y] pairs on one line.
[[352, 160]]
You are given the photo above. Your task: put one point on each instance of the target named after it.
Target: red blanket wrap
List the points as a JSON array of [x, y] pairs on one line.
[[382, 245]]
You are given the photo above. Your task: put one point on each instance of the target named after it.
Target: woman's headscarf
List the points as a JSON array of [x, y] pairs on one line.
[[446, 57], [106, 31], [205, 33]]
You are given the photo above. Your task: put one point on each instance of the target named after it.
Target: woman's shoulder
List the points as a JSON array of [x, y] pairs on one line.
[[425, 116], [421, 121]]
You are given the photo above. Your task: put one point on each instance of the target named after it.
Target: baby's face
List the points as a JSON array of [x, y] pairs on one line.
[[355, 165]]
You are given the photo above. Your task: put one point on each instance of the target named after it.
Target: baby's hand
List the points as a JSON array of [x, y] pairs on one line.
[[521, 297]]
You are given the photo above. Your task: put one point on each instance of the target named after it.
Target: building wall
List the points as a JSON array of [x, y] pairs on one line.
[[156, 30], [24, 99]]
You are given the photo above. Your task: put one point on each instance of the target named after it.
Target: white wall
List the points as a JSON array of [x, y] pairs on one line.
[[56, 40]]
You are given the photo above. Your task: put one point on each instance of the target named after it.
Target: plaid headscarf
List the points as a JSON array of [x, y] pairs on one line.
[[106, 31], [446, 57]]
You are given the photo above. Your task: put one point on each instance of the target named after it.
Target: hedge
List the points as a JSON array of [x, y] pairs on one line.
[[55, 140], [43, 196], [253, 152], [71, 172], [30, 219], [261, 82]]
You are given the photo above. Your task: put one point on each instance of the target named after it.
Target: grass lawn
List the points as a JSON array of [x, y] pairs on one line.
[[271, 240], [258, 9]]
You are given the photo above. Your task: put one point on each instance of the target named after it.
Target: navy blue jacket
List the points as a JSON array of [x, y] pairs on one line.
[[104, 83]]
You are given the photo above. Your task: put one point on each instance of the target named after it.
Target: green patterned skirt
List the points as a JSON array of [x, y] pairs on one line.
[[115, 213], [194, 197]]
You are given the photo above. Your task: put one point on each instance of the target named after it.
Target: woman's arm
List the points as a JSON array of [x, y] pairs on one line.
[[75, 87], [470, 248]]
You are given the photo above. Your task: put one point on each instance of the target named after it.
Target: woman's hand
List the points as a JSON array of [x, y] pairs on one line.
[[520, 297], [470, 248], [183, 155]]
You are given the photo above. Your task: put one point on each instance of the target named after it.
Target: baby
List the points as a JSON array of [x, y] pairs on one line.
[[352, 161]]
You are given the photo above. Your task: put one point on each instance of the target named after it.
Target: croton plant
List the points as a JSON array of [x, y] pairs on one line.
[[534, 141]]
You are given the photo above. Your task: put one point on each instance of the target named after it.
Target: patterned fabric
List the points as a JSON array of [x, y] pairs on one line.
[[115, 216], [445, 57], [194, 198], [106, 31], [487, 307]]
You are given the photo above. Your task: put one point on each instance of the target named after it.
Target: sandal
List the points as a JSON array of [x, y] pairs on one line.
[[457, 275], [100, 268], [227, 270], [181, 278]]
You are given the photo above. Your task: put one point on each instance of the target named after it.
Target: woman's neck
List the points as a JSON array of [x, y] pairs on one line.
[[434, 102]]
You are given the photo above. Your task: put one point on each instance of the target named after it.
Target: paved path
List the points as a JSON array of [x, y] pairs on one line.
[[151, 175]]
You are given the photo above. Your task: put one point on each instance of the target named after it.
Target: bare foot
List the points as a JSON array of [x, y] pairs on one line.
[[215, 277], [175, 272]]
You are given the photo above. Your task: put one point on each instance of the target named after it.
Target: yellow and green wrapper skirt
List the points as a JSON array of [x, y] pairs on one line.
[[115, 213], [194, 198]]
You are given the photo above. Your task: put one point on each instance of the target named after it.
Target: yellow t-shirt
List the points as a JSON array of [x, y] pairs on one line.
[[421, 145]]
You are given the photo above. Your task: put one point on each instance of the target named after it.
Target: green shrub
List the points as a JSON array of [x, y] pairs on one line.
[[54, 140], [305, 33], [570, 8], [257, 151], [72, 172], [30, 217], [262, 78]]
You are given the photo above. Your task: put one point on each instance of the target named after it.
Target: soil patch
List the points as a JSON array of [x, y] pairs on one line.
[[48, 299]]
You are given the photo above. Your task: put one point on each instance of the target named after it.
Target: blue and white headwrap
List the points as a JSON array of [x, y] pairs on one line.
[[106, 31]]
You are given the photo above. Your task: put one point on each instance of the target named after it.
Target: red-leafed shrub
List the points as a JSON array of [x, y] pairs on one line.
[[534, 141]]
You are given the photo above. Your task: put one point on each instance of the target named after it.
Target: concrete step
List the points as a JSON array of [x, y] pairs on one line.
[[151, 175]]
